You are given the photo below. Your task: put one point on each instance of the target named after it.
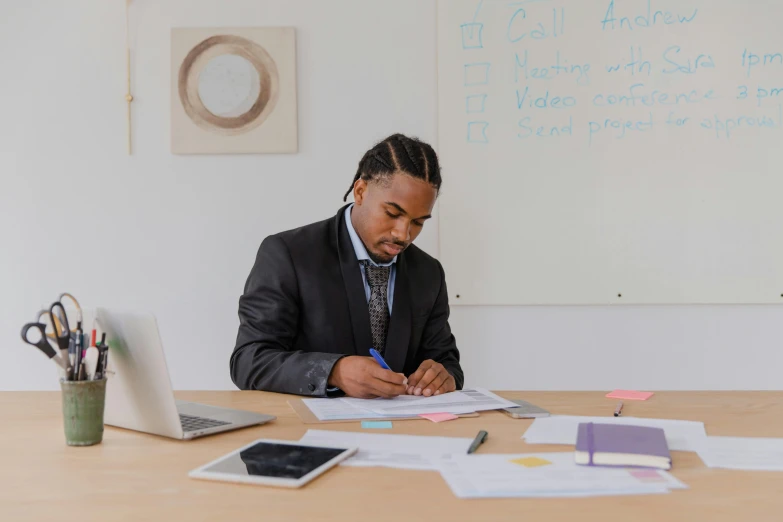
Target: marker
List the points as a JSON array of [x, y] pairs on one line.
[[478, 441], [383, 364], [619, 409], [103, 354], [91, 358]]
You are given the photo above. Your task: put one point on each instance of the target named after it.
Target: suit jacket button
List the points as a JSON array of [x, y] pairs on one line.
[[311, 387]]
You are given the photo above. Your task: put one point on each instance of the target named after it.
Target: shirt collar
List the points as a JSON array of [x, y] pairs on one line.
[[358, 246]]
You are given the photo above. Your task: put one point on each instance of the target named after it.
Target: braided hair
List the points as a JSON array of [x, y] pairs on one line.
[[399, 153]]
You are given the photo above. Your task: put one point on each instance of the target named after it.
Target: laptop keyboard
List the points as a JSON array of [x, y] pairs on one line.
[[191, 423]]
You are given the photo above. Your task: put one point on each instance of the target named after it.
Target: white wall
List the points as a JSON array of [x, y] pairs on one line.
[[177, 235]]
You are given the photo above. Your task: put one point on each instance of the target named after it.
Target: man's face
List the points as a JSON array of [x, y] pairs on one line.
[[390, 213]]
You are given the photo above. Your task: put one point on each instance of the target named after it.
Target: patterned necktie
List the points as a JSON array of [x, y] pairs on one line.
[[378, 279]]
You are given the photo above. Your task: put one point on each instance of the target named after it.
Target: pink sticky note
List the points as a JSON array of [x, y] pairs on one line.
[[629, 395], [645, 473], [438, 417]]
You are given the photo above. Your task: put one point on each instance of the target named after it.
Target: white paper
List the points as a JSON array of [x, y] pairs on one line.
[[392, 451], [465, 401], [562, 429], [494, 476], [336, 409], [368, 405], [749, 453]]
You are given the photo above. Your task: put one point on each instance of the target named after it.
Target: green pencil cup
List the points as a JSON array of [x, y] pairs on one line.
[[83, 403]]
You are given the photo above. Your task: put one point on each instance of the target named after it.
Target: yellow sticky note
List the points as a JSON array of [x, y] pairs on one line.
[[531, 462]]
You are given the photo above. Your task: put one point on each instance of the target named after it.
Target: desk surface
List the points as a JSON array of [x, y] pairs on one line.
[[135, 476]]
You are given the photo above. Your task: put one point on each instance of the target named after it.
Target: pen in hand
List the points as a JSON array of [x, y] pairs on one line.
[[379, 359]]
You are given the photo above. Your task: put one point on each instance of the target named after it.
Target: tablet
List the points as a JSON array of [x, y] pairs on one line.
[[273, 463], [525, 410]]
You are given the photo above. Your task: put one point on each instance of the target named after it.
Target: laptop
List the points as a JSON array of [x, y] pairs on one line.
[[138, 392]]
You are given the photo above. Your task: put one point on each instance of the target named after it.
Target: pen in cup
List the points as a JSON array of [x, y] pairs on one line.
[[103, 356], [77, 363], [91, 358]]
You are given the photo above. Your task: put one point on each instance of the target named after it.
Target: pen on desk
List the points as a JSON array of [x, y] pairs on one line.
[[478, 441], [619, 409]]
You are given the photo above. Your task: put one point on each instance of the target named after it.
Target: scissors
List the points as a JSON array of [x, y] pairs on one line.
[[60, 317], [63, 317], [62, 335], [42, 318]]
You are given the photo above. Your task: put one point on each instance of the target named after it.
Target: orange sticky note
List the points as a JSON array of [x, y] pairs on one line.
[[438, 417], [531, 462], [629, 395]]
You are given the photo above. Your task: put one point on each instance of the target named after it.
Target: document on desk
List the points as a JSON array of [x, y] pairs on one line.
[[391, 451], [562, 429], [748, 453], [465, 401], [552, 475], [336, 409]]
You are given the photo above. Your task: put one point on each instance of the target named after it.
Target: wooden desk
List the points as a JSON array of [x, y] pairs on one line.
[[139, 477]]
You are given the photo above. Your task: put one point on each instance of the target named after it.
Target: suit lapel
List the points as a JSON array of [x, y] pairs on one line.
[[398, 338], [354, 288]]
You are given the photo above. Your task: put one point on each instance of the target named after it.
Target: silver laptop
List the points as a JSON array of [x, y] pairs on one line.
[[138, 392]]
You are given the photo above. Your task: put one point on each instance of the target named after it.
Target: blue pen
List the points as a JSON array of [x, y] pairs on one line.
[[378, 358], [383, 364]]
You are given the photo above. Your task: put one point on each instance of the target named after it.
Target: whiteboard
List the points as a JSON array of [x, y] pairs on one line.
[[611, 151]]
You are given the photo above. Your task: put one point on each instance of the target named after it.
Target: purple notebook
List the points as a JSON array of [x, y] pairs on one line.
[[622, 445]]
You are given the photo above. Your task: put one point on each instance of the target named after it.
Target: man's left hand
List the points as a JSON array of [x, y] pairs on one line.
[[431, 379]]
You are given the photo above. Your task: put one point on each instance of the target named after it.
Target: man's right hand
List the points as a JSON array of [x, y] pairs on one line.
[[363, 378]]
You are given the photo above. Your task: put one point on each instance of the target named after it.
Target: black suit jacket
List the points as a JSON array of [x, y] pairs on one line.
[[304, 307]]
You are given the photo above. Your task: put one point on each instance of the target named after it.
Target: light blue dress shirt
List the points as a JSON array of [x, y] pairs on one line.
[[361, 255]]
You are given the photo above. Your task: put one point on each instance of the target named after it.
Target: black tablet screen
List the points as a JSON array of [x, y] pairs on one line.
[[276, 460]]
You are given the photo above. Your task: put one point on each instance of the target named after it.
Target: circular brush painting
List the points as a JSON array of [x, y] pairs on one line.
[[228, 85]]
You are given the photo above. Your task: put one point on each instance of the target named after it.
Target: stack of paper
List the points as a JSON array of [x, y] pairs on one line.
[[392, 451], [547, 475], [562, 429], [465, 401], [406, 406], [749, 453], [336, 409], [483, 476]]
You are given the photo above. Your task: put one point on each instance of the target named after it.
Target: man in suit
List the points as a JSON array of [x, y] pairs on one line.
[[320, 296]]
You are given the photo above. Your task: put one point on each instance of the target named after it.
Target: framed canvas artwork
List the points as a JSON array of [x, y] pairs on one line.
[[233, 90]]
